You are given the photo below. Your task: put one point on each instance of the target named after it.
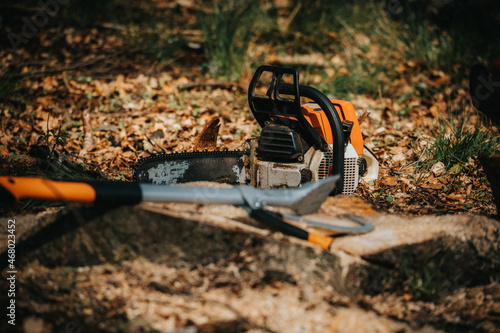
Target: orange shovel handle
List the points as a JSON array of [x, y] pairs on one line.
[[18, 188], [39, 188]]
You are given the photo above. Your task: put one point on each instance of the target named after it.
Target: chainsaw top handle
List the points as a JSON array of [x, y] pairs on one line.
[[275, 103]]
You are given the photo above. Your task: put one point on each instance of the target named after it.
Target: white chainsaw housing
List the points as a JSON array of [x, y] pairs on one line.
[[274, 174], [351, 169]]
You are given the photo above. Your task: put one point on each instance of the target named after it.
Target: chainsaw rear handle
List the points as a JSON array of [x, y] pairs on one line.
[[102, 192]]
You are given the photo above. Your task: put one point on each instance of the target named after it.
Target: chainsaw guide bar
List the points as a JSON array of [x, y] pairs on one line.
[[224, 166]]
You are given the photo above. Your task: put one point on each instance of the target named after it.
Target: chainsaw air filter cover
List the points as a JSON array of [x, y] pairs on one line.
[[280, 143]]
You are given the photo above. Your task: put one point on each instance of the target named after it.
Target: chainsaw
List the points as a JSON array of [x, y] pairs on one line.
[[298, 143]]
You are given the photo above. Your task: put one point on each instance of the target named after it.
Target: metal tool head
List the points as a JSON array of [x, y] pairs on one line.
[[303, 200], [311, 195]]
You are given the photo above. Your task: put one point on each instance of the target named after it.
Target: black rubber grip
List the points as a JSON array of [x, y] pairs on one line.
[[116, 193], [275, 221], [7, 199], [335, 124]]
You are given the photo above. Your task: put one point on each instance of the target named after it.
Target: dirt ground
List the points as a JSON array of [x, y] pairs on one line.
[[186, 268]]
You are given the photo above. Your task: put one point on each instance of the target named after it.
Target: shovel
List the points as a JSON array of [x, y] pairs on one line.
[[303, 200]]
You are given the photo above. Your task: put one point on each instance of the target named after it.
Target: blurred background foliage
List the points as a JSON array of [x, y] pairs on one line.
[[369, 36]]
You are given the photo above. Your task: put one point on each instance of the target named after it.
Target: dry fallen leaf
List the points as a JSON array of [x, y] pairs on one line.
[[438, 169], [390, 181]]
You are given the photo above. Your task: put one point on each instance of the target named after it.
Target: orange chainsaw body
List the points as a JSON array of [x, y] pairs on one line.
[[318, 120]]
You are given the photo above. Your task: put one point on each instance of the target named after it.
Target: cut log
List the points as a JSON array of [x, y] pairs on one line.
[[207, 268]]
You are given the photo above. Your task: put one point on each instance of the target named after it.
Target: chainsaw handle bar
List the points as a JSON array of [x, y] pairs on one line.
[[335, 124], [273, 104]]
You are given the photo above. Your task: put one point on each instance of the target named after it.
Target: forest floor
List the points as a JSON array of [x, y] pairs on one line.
[[91, 98]]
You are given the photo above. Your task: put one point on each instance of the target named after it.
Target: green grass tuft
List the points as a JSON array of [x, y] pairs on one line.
[[454, 145], [227, 32]]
